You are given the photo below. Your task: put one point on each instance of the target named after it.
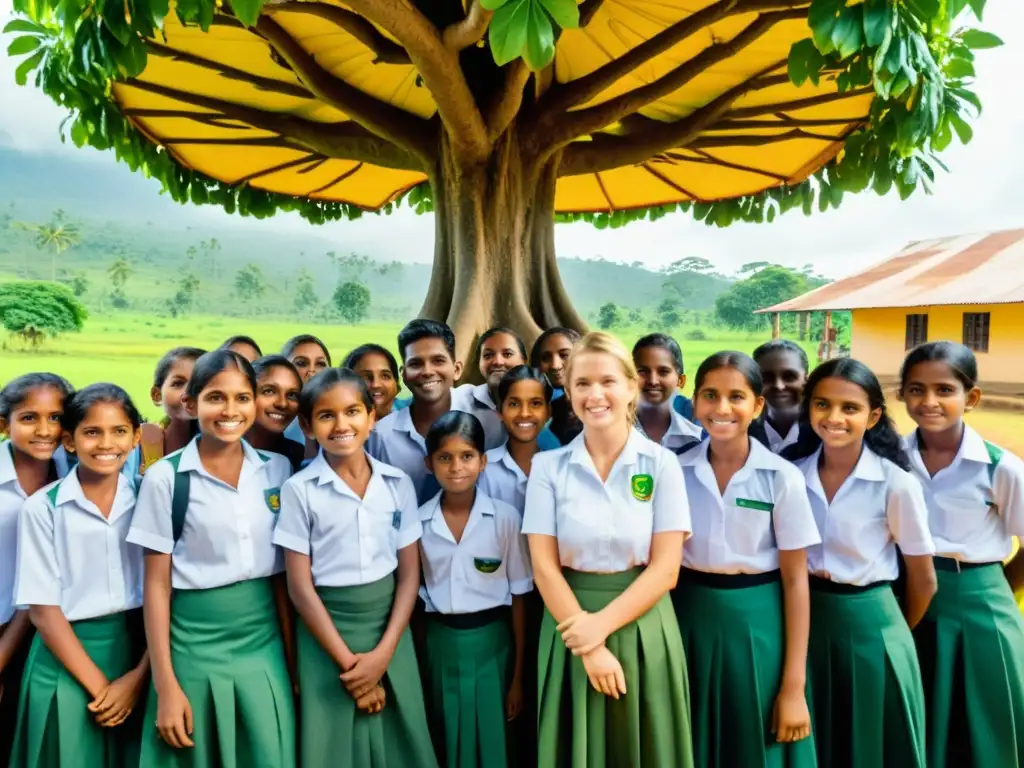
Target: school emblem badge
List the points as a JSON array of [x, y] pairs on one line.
[[396, 519], [642, 487], [273, 498], [486, 564]]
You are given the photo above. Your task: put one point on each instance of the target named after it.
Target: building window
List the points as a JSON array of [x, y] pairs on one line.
[[917, 330], [976, 331]]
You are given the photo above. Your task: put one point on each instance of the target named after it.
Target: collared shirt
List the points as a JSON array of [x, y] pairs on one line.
[[974, 508], [777, 442], [12, 498], [476, 399], [69, 555], [681, 435], [878, 507], [606, 527], [503, 479], [227, 533], [484, 568], [349, 540], [764, 509]]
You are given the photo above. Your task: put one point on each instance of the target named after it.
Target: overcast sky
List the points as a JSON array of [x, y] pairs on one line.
[[982, 192]]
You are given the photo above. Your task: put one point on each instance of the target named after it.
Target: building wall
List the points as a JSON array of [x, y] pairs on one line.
[[879, 336]]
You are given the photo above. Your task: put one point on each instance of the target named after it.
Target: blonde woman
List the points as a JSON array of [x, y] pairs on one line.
[[606, 518]]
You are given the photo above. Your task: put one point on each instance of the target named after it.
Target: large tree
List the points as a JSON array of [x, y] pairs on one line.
[[499, 114]]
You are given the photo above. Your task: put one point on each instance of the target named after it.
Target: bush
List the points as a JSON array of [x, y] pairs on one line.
[[696, 334]]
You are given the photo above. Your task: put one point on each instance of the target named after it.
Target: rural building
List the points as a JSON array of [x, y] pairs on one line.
[[968, 288]]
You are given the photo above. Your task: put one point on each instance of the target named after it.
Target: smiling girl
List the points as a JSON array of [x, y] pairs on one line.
[[178, 427], [783, 366], [206, 516], [500, 350], [971, 641], [82, 583], [606, 518], [550, 354], [380, 369], [659, 363], [868, 701], [278, 385]]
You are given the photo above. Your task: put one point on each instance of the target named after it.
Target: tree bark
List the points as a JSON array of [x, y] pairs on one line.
[[494, 257]]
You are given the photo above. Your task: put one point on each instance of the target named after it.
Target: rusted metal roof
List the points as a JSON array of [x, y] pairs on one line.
[[967, 269]]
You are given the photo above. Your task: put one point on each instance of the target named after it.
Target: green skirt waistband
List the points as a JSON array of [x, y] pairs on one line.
[[122, 624], [600, 582], [359, 598]]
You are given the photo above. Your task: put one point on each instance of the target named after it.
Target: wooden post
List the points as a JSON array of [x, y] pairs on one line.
[[807, 318], [776, 325], [828, 336]]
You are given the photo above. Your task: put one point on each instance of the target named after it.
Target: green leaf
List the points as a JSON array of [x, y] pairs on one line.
[[980, 40], [114, 19], [79, 133], [24, 44], [803, 59], [971, 98], [23, 25], [27, 66], [958, 69], [565, 12], [492, 5], [508, 31], [821, 17], [978, 6], [247, 11], [848, 32], [540, 39], [132, 58], [877, 19], [963, 130]]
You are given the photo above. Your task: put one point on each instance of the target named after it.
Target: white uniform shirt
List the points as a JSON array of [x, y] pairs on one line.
[[764, 509], [778, 443], [681, 434], [12, 497], [476, 399], [878, 506], [503, 479], [484, 569], [606, 527], [71, 556], [227, 533], [349, 540], [974, 509]]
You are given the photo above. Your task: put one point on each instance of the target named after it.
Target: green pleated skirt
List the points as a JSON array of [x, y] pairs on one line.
[[865, 681], [54, 727], [735, 648], [649, 727], [229, 659], [10, 680], [466, 673], [333, 731], [971, 647]]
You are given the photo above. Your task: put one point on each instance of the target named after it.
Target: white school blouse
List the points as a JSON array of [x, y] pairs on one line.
[[349, 540], [778, 443], [878, 507], [69, 555], [484, 569], [476, 399], [764, 509], [976, 504], [503, 479], [606, 527], [227, 536], [681, 434]]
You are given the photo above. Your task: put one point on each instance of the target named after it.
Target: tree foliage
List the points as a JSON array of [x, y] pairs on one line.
[[34, 311], [56, 236], [609, 316], [184, 295], [352, 301], [768, 286], [250, 283], [306, 300]]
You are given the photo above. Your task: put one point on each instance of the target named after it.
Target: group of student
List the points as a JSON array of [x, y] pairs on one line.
[[570, 564]]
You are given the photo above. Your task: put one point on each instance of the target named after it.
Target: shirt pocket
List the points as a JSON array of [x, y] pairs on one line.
[[960, 518], [748, 526]]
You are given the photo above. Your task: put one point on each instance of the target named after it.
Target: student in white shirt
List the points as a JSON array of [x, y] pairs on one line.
[[278, 385], [971, 641], [475, 574], [246, 346], [606, 517], [550, 354], [30, 410], [783, 366], [205, 516], [868, 702], [380, 370], [349, 526], [82, 584], [177, 428], [309, 355], [659, 362], [742, 601], [499, 350]]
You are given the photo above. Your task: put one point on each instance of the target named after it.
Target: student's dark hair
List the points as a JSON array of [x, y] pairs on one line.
[[882, 438], [270, 362], [76, 407], [163, 368], [960, 360], [289, 347], [782, 345], [490, 333], [16, 391], [327, 380], [419, 329], [558, 330], [356, 355], [564, 423], [456, 424], [741, 361], [523, 373], [213, 363], [242, 340], [661, 341]]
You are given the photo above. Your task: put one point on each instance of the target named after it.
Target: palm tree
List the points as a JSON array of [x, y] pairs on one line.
[[56, 236], [119, 272]]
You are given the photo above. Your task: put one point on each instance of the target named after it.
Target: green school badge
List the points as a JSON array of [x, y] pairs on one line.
[[642, 487], [273, 498], [396, 519], [486, 565], [764, 506]]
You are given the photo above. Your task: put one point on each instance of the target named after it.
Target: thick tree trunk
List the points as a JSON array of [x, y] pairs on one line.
[[494, 255]]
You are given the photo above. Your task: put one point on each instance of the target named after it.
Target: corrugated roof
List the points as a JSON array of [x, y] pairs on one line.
[[967, 269]]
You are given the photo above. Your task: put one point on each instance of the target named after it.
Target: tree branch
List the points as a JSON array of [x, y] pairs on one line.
[[440, 70], [709, 159], [385, 50], [470, 31], [508, 100], [785, 121], [307, 159], [756, 140], [787, 106]]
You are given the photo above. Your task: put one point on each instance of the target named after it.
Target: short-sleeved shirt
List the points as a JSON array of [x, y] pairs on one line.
[[778, 443], [878, 507], [764, 510], [349, 540], [484, 569], [227, 535], [12, 498], [606, 527], [503, 479], [681, 435], [71, 556], [476, 399], [976, 504]]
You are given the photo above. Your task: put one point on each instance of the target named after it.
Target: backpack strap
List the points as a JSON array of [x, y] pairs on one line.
[[152, 445], [179, 496], [995, 453]]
